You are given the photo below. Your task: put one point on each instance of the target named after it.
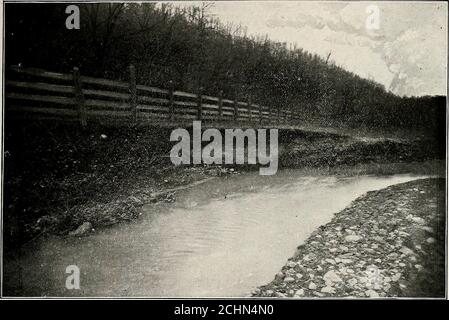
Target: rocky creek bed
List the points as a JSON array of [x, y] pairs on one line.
[[387, 243]]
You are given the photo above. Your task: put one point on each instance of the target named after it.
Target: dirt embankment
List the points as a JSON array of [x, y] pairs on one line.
[[312, 149], [387, 243], [58, 177]]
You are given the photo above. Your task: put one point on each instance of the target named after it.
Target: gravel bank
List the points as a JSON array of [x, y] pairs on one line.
[[387, 243]]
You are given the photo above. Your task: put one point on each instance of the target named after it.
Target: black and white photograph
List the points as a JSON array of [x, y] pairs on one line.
[[261, 150]]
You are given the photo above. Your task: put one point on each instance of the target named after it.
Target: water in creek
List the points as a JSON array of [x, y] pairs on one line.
[[221, 238]]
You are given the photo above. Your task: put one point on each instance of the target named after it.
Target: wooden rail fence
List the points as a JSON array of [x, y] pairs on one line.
[[81, 98]]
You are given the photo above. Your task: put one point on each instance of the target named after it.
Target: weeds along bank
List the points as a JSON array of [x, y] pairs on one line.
[[58, 176], [52, 171]]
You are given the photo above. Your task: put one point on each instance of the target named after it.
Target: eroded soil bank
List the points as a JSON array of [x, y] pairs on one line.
[[59, 177], [387, 243]]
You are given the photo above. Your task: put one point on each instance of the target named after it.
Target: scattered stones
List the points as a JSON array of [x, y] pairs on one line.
[[280, 276], [352, 282], [45, 222], [419, 220], [299, 293], [136, 200], [374, 248], [396, 277], [346, 261], [378, 239], [290, 272], [352, 238], [419, 267], [406, 251], [392, 256], [82, 230], [331, 277], [289, 279], [312, 286], [309, 257], [255, 291], [427, 228], [371, 293], [327, 289], [280, 295]]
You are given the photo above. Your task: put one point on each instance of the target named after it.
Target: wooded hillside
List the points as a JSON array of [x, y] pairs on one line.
[[194, 50]]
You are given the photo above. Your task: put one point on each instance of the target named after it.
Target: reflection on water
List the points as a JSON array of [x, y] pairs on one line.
[[222, 238]]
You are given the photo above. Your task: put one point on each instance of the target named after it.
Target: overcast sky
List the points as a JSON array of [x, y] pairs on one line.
[[407, 53]]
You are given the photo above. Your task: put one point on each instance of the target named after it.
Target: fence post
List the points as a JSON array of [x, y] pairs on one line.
[[250, 112], [260, 113], [279, 115], [220, 105], [171, 103], [236, 109], [200, 103], [133, 91], [79, 96]]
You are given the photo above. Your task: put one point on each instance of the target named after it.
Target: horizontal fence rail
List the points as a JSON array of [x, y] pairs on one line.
[[43, 93]]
